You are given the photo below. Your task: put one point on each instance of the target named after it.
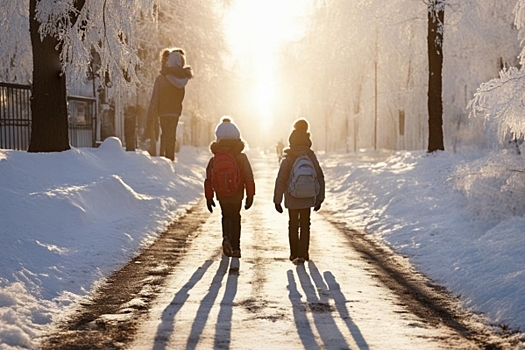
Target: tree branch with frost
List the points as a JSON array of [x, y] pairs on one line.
[[500, 102], [516, 170], [519, 22], [104, 26]]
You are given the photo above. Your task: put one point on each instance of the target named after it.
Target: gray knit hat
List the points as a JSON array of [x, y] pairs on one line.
[[227, 130]]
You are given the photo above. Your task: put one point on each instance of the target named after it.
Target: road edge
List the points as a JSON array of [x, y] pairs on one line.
[[422, 296]]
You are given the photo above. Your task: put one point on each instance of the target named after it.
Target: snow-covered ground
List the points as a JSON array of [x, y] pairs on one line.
[[458, 217], [69, 219]]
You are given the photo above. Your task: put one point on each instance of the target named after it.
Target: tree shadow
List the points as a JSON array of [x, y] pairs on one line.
[[321, 310], [166, 327], [224, 319], [207, 304], [301, 321]]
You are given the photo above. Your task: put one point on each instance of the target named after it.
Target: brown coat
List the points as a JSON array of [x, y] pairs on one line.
[[166, 100]]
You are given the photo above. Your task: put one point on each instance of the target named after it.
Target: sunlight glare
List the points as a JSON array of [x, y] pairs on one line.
[[255, 31], [264, 99], [260, 27]]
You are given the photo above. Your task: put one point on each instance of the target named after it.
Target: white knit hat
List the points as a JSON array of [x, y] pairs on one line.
[[175, 59], [227, 130]]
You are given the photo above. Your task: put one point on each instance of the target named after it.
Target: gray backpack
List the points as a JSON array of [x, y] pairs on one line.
[[303, 181]]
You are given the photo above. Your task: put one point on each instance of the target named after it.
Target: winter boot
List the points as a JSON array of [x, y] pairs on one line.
[[298, 261], [226, 247]]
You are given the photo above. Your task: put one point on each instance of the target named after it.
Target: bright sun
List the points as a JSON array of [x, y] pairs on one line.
[[255, 30]]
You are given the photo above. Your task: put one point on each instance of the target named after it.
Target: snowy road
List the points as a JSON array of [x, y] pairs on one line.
[[263, 301]]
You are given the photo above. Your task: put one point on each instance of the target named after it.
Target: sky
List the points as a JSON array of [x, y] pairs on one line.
[[69, 219], [255, 31]]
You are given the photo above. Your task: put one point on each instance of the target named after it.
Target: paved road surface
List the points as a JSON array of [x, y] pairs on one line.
[[263, 301]]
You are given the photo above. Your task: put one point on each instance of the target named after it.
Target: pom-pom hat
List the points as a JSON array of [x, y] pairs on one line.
[[300, 135], [227, 130], [301, 125]]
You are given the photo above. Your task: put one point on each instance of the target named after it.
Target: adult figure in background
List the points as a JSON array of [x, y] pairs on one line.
[[165, 106], [279, 148]]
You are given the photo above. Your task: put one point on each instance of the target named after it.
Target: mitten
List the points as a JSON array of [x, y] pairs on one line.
[[249, 202], [210, 203]]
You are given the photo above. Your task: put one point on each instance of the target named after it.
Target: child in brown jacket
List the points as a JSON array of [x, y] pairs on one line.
[[299, 204]]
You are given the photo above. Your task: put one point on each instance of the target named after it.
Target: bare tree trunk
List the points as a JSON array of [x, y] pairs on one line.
[[49, 129], [436, 15]]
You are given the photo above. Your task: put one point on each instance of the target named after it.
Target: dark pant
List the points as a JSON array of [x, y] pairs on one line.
[[168, 136], [231, 222], [299, 231]]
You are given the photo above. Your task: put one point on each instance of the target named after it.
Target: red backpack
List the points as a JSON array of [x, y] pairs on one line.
[[225, 175]]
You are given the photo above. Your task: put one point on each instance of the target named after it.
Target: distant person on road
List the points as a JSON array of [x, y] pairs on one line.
[[279, 148], [165, 106], [228, 175], [301, 180]]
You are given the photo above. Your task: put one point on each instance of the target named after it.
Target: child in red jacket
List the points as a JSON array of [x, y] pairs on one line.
[[228, 174]]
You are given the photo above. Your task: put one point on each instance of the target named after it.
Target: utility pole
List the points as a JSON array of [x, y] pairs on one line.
[[375, 89], [375, 105]]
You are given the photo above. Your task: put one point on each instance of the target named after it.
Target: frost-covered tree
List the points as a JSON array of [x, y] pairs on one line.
[[64, 37], [499, 105], [497, 108], [15, 45], [493, 183], [360, 64], [436, 26], [49, 129], [377, 54], [481, 39]]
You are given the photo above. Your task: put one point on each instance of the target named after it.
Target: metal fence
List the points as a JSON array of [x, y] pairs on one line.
[[15, 118]]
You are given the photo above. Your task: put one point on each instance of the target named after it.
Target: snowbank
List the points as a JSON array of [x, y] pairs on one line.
[[457, 217], [69, 219]]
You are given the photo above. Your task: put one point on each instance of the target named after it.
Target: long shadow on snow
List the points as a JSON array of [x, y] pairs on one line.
[[340, 304], [328, 288], [224, 320], [321, 309], [207, 304], [301, 321], [166, 327]]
